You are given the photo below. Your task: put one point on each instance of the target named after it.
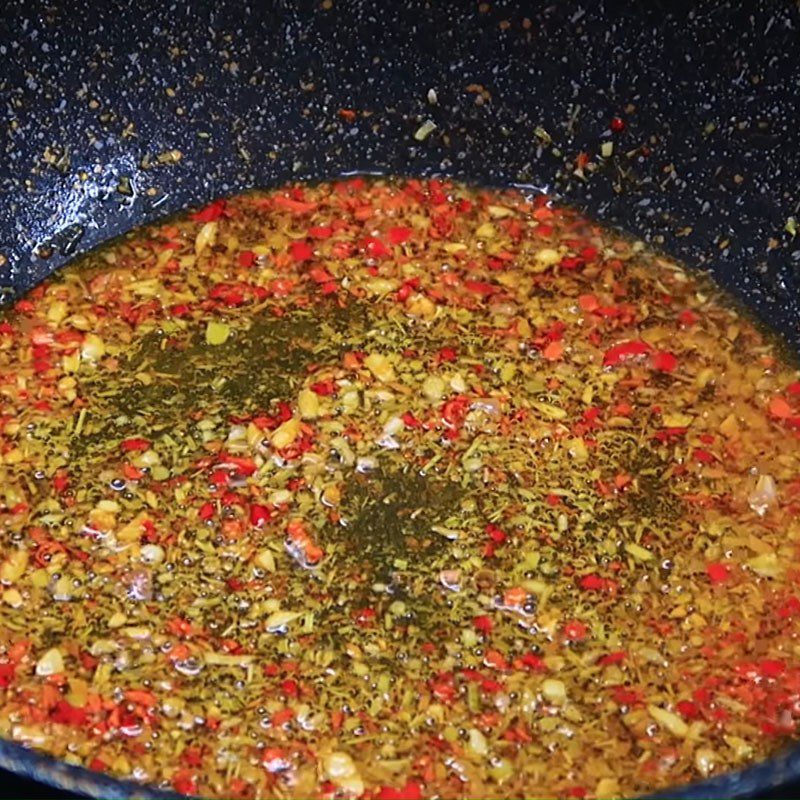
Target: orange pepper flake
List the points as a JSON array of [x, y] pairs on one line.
[[314, 553], [625, 351], [184, 781], [300, 539], [399, 234], [665, 362], [142, 697], [247, 258], [780, 408], [135, 444], [515, 597], [295, 206], [622, 480], [575, 631], [608, 659], [301, 251], [411, 790], [718, 573], [282, 717], [494, 659], [352, 360], [553, 351], [211, 212], [596, 583], [179, 652], [337, 720], [320, 232]]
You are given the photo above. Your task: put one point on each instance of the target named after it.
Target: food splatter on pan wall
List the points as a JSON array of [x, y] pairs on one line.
[[675, 123]]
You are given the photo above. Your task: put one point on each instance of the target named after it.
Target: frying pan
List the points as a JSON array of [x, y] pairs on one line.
[[119, 114]]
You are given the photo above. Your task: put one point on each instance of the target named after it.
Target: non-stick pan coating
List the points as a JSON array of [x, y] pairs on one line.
[[118, 113]]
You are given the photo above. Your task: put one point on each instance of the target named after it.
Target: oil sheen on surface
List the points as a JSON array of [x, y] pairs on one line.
[[395, 490]]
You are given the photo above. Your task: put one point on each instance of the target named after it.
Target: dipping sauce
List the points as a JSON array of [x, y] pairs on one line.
[[395, 489]]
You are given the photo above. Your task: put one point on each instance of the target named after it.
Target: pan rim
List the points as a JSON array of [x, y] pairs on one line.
[[32, 764]]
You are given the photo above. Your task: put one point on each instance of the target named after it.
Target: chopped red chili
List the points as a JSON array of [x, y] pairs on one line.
[[391, 489]]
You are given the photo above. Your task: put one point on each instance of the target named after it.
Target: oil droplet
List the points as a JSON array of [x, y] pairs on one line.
[[189, 666]]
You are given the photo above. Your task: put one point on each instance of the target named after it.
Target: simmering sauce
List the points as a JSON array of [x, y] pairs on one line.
[[395, 489]]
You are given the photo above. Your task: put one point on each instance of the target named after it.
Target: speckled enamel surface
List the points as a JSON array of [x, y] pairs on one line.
[[118, 113], [115, 114]]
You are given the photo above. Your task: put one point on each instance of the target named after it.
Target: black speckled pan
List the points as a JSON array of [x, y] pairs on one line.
[[116, 114]]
